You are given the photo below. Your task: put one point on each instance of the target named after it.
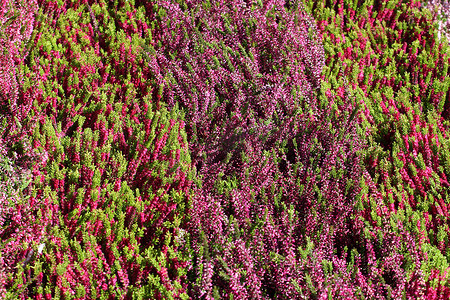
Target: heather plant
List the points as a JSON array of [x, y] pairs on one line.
[[222, 60], [316, 139], [246, 52], [441, 12], [392, 55], [16, 216], [284, 225], [18, 223], [112, 192], [16, 24], [275, 208]]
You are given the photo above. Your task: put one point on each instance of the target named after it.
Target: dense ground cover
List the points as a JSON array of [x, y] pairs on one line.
[[398, 69], [224, 150]]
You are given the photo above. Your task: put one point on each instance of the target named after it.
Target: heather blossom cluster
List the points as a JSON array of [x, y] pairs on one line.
[[403, 91], [441, 10], [281, 170], [16, 155], [224, 150], [110, 185]]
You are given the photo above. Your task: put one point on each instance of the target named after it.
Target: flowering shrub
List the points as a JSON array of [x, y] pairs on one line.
[[259, 60], [223, 149], [398, 67], [113, 190], [265, 116], [18, 224], [441, 12]]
